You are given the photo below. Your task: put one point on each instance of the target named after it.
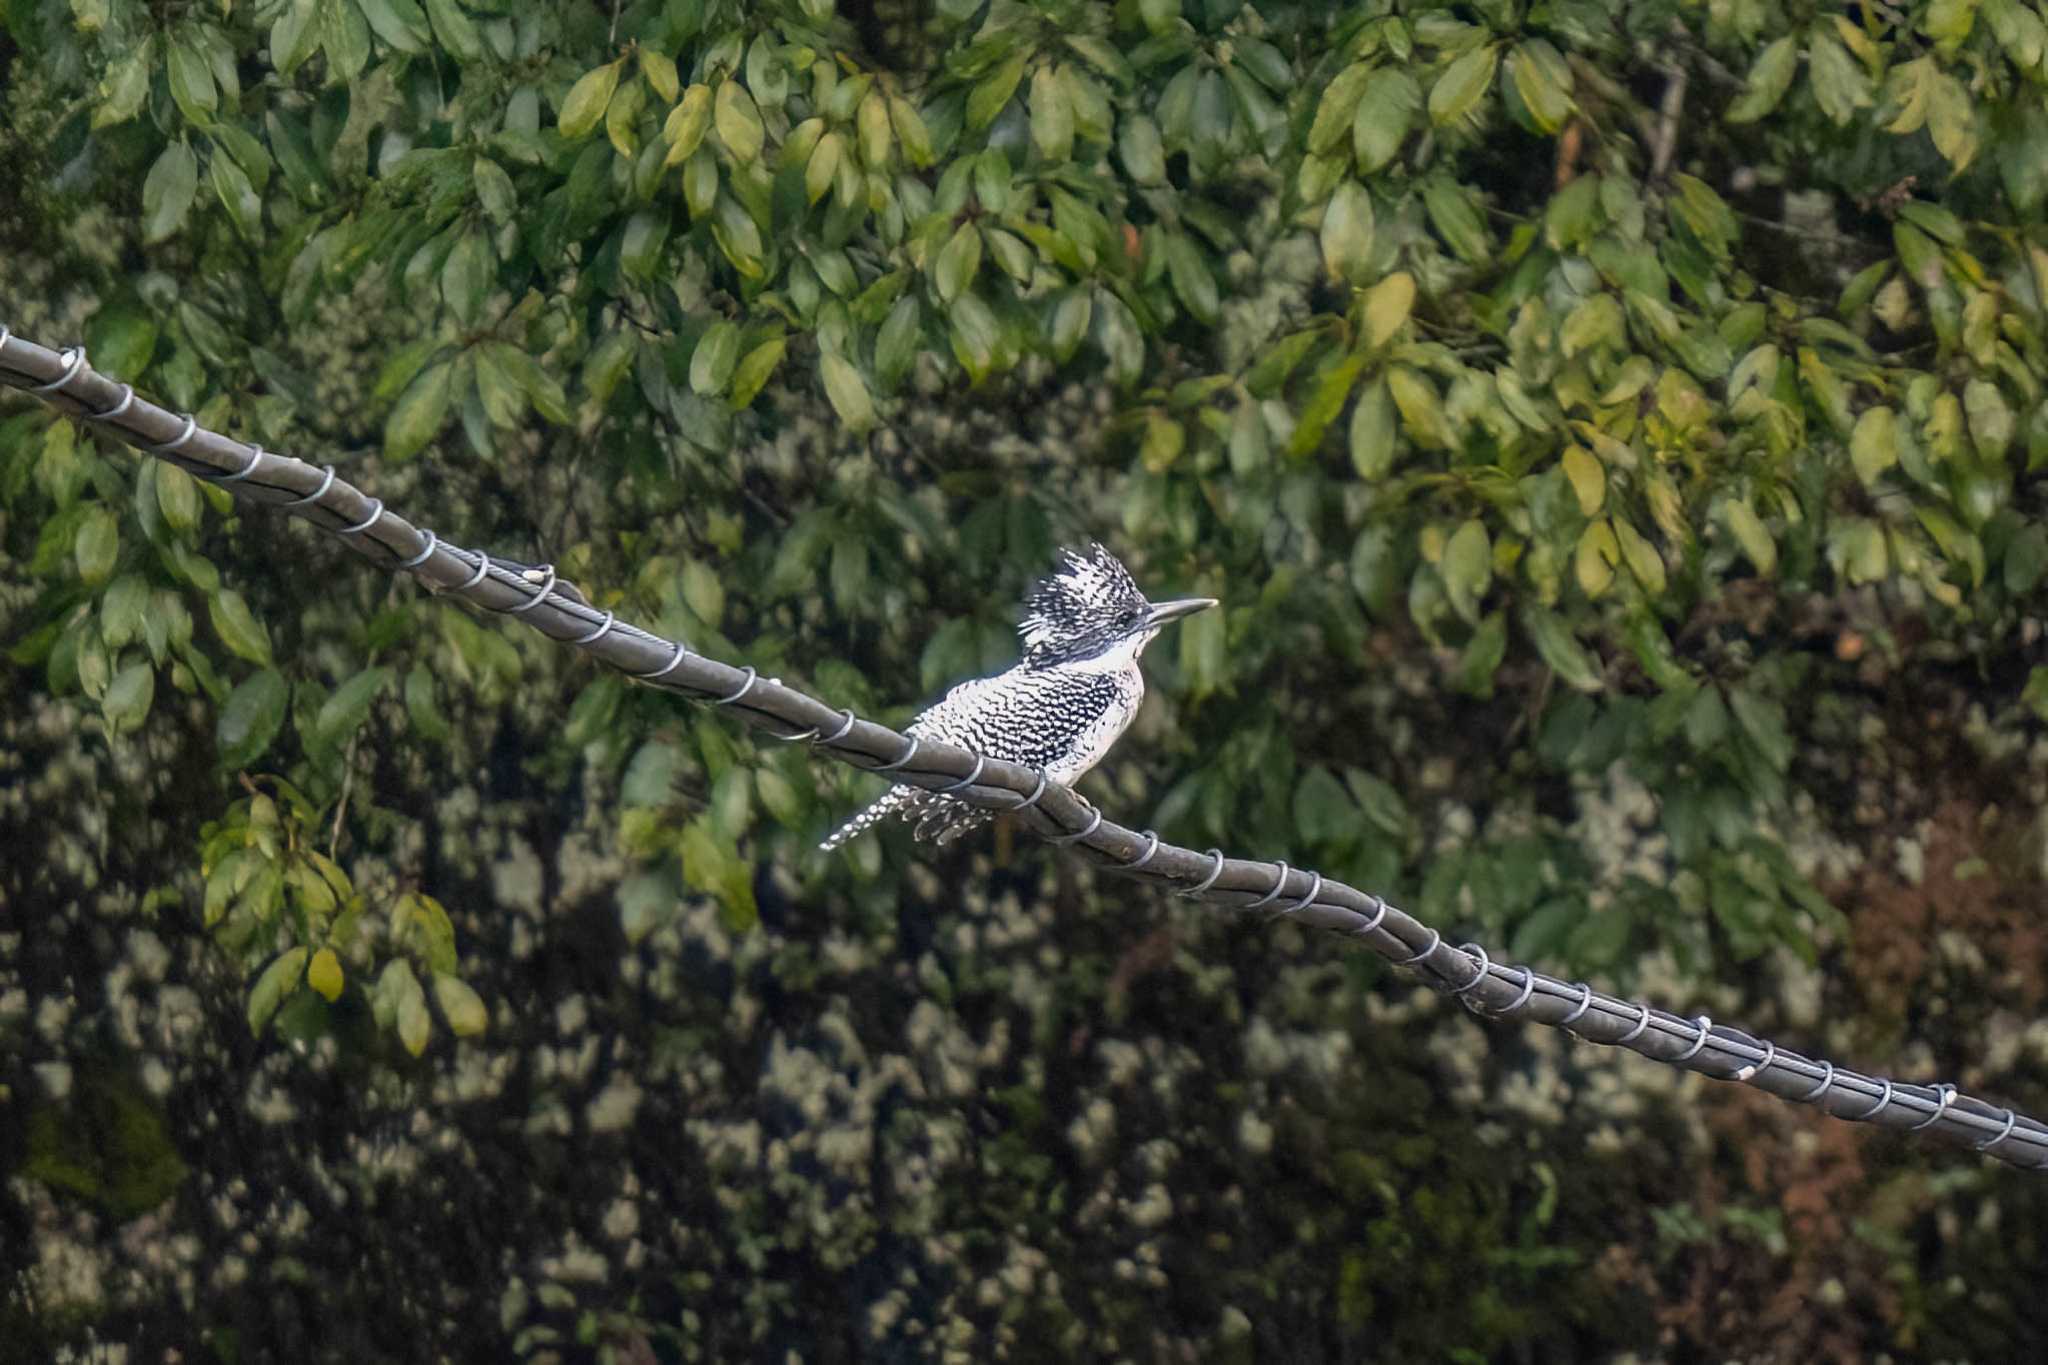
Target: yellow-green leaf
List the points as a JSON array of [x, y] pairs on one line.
[[738, 121], [686, 124], [1642, 557], [1371, 435], [1596, 557], [847, 391], [418, 413], [1386, 306], [587, 100], [323, 974], [1874, 447], [987, 99], [1347, 233], [1458, 91], [754, 368], [660, 71], [1560, 649], [238, 627], [278, 981], [1769, 77], [1337, 107], [718, 351], [465, 1009], [1587, 478], [1749, 532], [1467, 568], [95, 545], [1543, 82]]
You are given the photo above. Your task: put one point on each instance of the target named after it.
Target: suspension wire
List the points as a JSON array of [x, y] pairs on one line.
[[1053, 811]]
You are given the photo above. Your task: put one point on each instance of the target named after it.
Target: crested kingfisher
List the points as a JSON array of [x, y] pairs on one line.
[[1076, 688]]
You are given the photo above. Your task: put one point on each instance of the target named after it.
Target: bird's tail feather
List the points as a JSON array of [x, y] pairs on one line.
[[890, 802]]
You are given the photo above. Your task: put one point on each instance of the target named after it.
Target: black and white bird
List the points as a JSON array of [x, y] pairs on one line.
[[1075, 690]]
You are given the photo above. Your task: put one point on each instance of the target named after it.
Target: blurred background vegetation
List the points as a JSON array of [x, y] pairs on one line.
[[1613, 430]]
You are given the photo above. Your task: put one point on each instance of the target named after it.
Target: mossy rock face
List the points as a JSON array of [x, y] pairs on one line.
[[105, 1143]]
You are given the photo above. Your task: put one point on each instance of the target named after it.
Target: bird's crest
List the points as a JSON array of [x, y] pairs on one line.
[[1089, 602]]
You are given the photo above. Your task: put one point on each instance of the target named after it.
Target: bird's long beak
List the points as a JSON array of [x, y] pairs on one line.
[[1163, 612]]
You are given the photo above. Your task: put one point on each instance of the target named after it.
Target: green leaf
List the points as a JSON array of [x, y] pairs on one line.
[[347, 706], [1456, 219], [1338, 105], [408, 1006], [238, 627], [1543, 82], [1052, 115], [975, 334], [1563, 653], [1140, 149], [911, 133], [1347, 233], [2026, 561], [1468, 568], [1323, 810], [294, 35], [822, 168], [1482, 657], [1840, 85], [897, 342], [251, 718], [177, 497], [279, 980], [126, 701], [125, 86], [466, 276], [1641, 556], [494, 190], [1327, 399], [1384, 116], [345, 36], [467, 1015], [712, 363], [987, 98], [1763, 720], [1192, 281], [587, 100], [1952, 119], [168, 191], [406, 32], [957, 262], [847, 392], [419, 412], [1768, 79], [1991, 420], [191, 82], [1464, 83], [96, 544], [1749, 532], [124, 605], [1372, 432], [456, 30]]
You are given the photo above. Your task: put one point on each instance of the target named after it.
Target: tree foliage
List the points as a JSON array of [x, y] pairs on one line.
[[1582, 410]]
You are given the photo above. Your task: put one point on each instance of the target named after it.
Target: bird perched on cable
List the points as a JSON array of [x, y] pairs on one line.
[[1075, 690]]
